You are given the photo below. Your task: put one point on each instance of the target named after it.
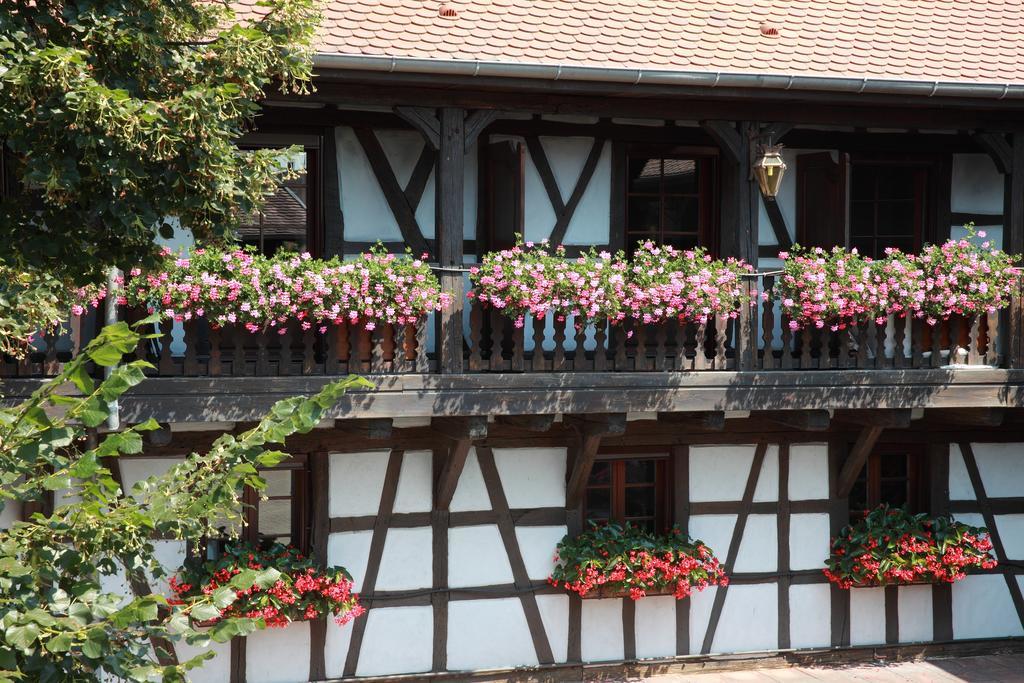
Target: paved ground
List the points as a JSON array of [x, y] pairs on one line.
[[985, 669]]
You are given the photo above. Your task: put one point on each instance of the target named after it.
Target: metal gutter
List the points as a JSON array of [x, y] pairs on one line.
[[636, 77]]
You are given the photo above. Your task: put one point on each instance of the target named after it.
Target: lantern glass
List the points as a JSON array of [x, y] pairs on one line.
[[769, 169]]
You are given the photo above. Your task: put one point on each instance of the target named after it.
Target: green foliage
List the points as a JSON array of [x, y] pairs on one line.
[[57, 621], [121, 117]]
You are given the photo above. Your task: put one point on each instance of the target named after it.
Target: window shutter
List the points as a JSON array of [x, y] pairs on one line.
[[820, 200], [505, 161]]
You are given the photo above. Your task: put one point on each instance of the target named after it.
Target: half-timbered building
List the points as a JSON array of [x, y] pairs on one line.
[[449, 127]]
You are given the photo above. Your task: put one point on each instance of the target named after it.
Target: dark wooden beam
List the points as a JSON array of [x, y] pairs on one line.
[[334, 217], [801, 420], [710, 420], [855, 461], [419, 177], [369, 428], [892, 418], [458, 428], [425, 121], [969, 417], [462, 431], [476, 123], [565, 215], [590, 430], [738, 213], [778, 222], [448, 206], [727, 136], [547, 176], [998, 148], [1013, 243], [979, 219], [533, 423]]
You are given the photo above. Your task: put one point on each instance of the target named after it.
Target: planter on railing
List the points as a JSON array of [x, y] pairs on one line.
[[613, 561], [300, 592], [890, 546]]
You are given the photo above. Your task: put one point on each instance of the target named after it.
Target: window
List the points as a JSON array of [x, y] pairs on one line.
[[887, 204], [895, 474], [286, 514], [290, 218], [629, 490], [670, 199], [503, 183]]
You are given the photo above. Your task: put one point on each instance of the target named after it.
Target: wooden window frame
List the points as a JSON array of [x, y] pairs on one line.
[[918, 476], [301, 499], [663, 479], [708, 191], [923, 193]]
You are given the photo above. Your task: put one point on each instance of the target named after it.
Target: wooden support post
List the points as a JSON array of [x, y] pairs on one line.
[[334, 217], [448, 228], [591, 428], [1013, 243], [802, 420], [739, 209], [866, 441], [533, 423], [370, 428], [462, 432], [709, 420], [890, 418]]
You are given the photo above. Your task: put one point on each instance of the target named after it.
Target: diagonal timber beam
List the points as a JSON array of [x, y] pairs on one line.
[[462, 431], [855, 461], [591, 429]]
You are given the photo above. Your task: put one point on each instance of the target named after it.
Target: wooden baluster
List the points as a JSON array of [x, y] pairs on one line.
[[768, 326], [843, 360], [640, 361], [721, 334], [803, 339], [660, 339], [51, 366], [916, 342], [899, 356], [673, 344], [238, 337], [992, 349], [744, 342], [688, 350], [537, 362], [786, 359], [76, 335], [881, 357], [600, 351], [356, 334], [579, 356], [955, 348], [476, 331], [332, 352], [284, 354], [497, 341], [518, 342], [262, 353], [936, 359], [214, 365], [559, 364], [422, 359], [166, 363], [619, 332], [308, 351], [377, 342], [860, 334], [974, 345], [700, 351], [191, 363]]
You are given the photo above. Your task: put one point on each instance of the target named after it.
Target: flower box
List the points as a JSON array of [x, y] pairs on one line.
[[613, 561], [891, 547]]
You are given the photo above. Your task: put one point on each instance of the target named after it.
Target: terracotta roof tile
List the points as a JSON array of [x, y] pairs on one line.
[[952, 40]]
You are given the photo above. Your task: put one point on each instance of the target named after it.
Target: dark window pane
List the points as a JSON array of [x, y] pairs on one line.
[[275, 516], [682, 241], [896, 218], [862, 184], [681, 176], [640, 471], [644, 214], [904, 244], [894, 466], [640, 501], [894, 182], [281, 224], [862, 218], [682, 214], [599, 504], [601, 473], [894, 493], [645, 524], [864, 245], [644, 175]]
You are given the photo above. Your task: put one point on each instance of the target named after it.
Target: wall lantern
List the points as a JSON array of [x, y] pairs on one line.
[[769, 169]]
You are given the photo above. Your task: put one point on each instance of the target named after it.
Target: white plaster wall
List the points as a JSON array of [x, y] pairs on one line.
[[810, 615], [915, 613], [977, 188], [488, 634], [749, 620], [808, 471], [867, 616], [720, 473], [1011, 533], [10, 514], [601, 639], [959, 481], [215, 670], [336, 647], [532, 477], [274, 655], [470, 492], [134, 470], [655, 626], [477, 557], [566, 156], [404, 562], [982, 608], [809, 540], [397, 640], [414, 482], [714, 530], [537, 545], [1001, 466], [356, 481], [351, 550], [554, 613]]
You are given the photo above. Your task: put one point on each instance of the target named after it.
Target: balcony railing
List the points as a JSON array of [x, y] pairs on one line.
[[757, 340]]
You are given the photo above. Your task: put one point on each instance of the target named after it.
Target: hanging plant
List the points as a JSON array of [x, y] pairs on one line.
[[890, 546], [303, 591], [617, 561]]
